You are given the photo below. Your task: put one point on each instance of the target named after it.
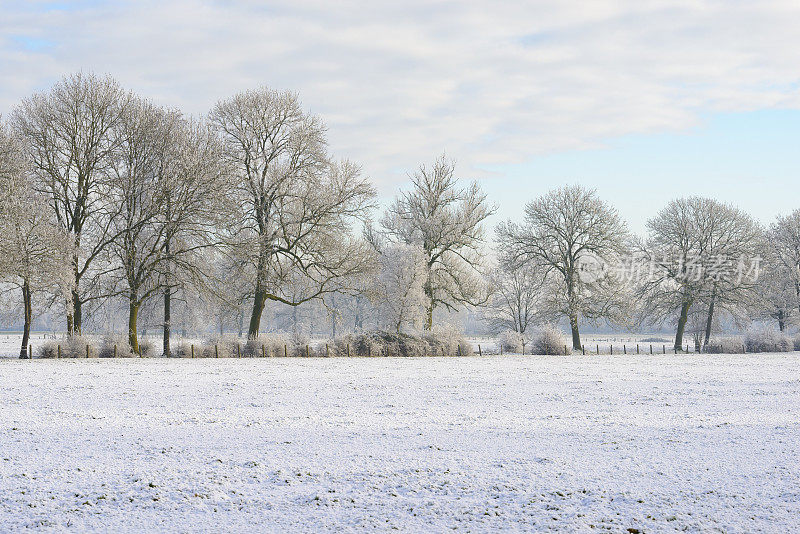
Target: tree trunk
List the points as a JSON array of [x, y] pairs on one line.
[[576, 335], [684, 317], [167, 320], [781, 320], [77, 315], [710, 317], [429, 316], [255, 318], [28, 311], [133, 316]]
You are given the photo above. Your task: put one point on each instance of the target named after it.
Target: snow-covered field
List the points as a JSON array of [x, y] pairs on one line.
[[697, 442]]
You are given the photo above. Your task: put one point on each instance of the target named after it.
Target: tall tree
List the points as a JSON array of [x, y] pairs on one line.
[[69, 134], [446, 223], [298, 205], [565, 231], [784, 238], [32, 246]]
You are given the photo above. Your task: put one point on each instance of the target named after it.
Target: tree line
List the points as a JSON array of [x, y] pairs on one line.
[[109, 197]]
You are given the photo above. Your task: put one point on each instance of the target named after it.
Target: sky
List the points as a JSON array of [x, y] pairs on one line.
[[643, 100]]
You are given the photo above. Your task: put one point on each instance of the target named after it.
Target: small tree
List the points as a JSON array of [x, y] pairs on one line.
[[517, 293], [446, 223], [564, 232]]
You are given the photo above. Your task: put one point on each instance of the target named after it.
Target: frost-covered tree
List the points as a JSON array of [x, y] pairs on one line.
[[776, 294], [69, 134], [446, 222], [697, 248], [564, 231], [298, 206], [32, 246], [784, 239], [170, 189], [400, 286]]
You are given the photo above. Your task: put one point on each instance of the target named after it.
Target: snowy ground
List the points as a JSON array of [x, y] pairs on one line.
[[698, 442]]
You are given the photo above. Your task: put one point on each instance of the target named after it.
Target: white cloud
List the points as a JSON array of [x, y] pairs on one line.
[[490, 82]]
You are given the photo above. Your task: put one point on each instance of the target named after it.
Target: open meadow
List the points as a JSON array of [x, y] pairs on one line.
[[622, 443]]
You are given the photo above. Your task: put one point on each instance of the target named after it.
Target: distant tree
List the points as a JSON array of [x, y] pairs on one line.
[[32, 247], [400, 286], [516, 297], [69, 134], [776, 294], [565, 232], [298, 206], [446, 223]]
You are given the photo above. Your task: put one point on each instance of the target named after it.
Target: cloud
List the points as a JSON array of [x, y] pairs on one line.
[[398, 83]]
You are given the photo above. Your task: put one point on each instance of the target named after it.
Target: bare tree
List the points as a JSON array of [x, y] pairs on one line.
[[298, 205], [445, 221], [69, 134], [697, 247], [516, 298], [564, 231], [33, 247], [784, 237]]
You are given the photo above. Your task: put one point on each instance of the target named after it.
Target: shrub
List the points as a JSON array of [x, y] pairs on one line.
[[511, 341], [118, 340], [654, 340], [767, 340], [548, 340], [378, 343], [797, 343], [725, 345], [71, 347], [274, 345]]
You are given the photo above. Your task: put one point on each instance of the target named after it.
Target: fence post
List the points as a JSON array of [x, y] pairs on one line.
[[262, 351], [597, 347], [30, 351], [307, 355], [238, 350], [192, 345], [479, 350], [216, 351], [327, 351], [612, 349], [651, 348], [637, 348], [87, 350], [285, 352], [583, 349], [348, 350], [565, 350], [59, 351], [115, 350]]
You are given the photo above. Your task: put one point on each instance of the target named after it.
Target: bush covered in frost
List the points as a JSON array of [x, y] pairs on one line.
[[120, 341], [548, 340], [71, 347], [440, 342], [511, 341], [766, 339], [725, 345]]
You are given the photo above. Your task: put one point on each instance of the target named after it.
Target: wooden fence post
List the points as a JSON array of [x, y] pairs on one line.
[[583, 349], [30, 351], [285, 352], [192, 345], [348, 350], [262, 350], [565, 350], [59, 351], [216, 351], [87, 350], [327, 351], [307, 355], [238, 350], [612, 349], [479, 350], [624, 349], [115, 350]]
